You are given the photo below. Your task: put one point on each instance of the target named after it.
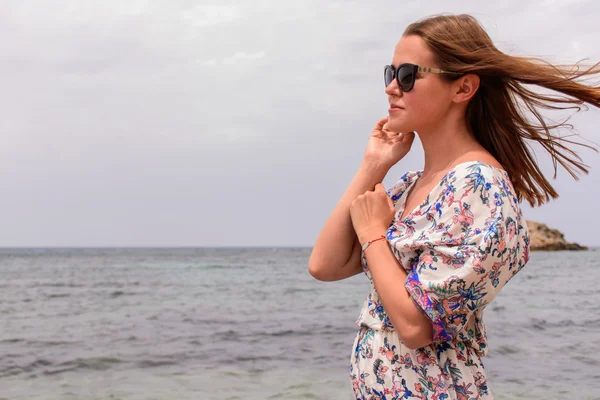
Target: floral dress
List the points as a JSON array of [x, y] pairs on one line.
[[459, 247]]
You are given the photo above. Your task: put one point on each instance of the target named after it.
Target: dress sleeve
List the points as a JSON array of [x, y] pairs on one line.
[[396, 191], [475, 242]]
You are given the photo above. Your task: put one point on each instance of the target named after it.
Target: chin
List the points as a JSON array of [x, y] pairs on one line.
[[399, 126]]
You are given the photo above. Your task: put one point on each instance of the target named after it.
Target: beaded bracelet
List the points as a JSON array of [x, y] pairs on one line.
[[364, 246]]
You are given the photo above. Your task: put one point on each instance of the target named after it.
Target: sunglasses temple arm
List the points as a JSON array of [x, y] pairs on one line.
[[434, 70]]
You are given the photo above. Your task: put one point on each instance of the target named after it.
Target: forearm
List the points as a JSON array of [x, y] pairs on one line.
[[333, 246], [389, 277]]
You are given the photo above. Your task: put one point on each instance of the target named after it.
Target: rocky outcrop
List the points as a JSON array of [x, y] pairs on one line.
[[544, 238]]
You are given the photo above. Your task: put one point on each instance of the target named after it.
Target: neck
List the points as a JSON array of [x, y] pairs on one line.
[[445, 144]]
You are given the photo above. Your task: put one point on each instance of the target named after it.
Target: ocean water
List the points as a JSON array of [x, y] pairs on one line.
[[253, 324]]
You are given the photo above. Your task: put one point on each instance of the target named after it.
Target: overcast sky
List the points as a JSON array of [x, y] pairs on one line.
[[228, 123]]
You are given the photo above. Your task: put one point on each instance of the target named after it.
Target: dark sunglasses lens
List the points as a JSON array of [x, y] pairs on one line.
[[388, 75], [406, 77]]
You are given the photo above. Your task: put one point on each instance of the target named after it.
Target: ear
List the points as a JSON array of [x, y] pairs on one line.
[[465, 88]]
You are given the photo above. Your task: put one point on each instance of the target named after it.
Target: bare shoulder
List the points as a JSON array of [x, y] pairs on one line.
[[481, 156]]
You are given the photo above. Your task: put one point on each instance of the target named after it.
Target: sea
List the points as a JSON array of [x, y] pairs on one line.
[[252, 323]]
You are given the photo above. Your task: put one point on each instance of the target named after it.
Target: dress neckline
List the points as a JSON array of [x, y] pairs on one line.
[[419, 206]]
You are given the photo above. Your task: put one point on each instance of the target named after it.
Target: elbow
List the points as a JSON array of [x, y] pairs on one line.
[[317, 273], [419, 337], [317, 269], [415, 335], [416, 343], [313, 272]]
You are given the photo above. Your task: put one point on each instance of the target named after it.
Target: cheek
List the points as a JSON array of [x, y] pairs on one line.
[[424, 100], [419, 109], [417, 103], [425, 106]]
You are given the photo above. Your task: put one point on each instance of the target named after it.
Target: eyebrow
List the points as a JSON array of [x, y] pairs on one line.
[[395, 67]]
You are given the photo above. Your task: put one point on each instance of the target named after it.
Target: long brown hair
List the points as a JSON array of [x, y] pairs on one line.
[[496, 115]]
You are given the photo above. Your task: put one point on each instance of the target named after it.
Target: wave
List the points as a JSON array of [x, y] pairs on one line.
[[253, 358], [155, 363], [93, 363], [232, 335], [47, 367], [542, 324], [58, 284], [300, 290], [507, 350], [118, 293], [212, 267], [39, 343], [57, 295]]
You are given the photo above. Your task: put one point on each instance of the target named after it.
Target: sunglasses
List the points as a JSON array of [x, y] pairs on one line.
[[406, 74]]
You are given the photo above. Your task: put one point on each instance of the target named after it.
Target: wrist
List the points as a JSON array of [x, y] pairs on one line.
[[374, 167], [371, 235], [373, 241], [369, 175]]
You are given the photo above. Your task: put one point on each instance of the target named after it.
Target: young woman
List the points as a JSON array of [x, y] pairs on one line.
[[442, 242]]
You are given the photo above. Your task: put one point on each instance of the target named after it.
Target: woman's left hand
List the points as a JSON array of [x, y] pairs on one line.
[[372, 214]]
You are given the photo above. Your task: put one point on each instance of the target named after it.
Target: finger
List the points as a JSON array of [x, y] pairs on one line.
[[390, 135], [379, 125], [408, 137], [398, 138], [387, 130]]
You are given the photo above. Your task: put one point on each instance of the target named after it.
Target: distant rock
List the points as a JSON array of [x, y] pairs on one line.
[[544, 238]]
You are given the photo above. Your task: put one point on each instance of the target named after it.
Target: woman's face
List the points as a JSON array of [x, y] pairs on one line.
[[427, 103]]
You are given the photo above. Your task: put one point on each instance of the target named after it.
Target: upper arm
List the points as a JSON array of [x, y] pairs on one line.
[[353, 265]]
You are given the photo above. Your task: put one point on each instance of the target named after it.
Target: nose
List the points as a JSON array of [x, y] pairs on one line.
[[393, 89]]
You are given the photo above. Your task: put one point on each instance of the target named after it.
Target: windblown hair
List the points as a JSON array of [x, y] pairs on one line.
[[497, 113]]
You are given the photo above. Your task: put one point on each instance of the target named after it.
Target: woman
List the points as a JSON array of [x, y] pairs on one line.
[[441, 243]]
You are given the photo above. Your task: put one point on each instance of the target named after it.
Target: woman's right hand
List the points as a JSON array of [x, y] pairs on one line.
[[386, 148]]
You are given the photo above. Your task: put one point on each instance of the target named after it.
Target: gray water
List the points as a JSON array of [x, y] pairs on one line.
[[253, 324]]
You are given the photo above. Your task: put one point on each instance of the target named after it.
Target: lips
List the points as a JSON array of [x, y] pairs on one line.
[[395, 108]]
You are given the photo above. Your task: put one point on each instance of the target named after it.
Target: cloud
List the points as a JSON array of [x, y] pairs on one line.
[[241, 57], [208, 63], [212, 15], [223, 123]]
